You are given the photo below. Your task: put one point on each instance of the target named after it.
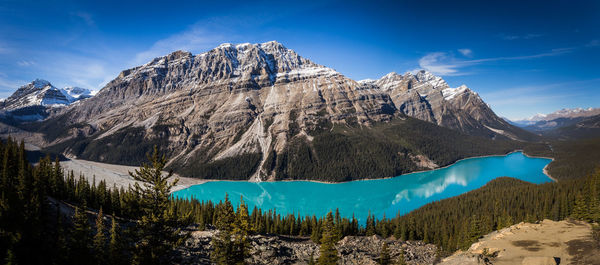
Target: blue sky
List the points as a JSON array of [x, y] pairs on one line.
[[522, 57]]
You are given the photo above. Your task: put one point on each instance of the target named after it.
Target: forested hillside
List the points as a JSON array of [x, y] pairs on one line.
[[572, 159], [343, 153]]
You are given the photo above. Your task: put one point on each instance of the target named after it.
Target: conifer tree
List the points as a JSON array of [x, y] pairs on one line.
[[384, 255], [241, 229], [223, 246], [80, 237], [100, 239], [159, 229], [115, 245], [400, 260], [580, 208], [329, 254]]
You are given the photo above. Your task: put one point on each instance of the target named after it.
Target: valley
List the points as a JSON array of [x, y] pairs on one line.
[[283, 159]]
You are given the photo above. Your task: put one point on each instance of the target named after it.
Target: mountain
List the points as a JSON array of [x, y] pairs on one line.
[[574, 128], [557, 119], [428, 97], [261, 111], [35, 100]]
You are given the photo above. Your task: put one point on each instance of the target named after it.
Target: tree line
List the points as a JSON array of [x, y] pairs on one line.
[[144, 223]]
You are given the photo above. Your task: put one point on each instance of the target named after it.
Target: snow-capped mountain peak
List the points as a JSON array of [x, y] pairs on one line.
[[76, 93], [30, 102], [39, 83], [450, 93]]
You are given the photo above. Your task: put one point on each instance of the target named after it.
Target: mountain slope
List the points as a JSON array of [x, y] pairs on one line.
[[254, 110], [428, 97], [34, 100], [561, 118]]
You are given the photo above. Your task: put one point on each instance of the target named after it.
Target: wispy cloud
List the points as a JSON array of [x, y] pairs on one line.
[[197, 37], [4, 49], [511, 101], [25, 63], [86, 17], [447, 64], [440, 63], [593, 43], [8, 86], [466, 52], [520, 37]]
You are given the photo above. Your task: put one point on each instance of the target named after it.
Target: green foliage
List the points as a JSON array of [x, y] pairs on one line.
[[572, 159], [230, 244], [159, 230], [346, 153], [384, 255], [400, 260], [81, 237], [100, 239], [127, 146], [329, 254], [115, 245], [238, 167]]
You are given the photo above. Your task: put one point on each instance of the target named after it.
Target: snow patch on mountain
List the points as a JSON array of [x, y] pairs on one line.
[[562, 113], [450, 93]]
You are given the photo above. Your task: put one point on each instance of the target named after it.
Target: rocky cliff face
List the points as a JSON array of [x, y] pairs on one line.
[[428, 97], [252, 107], [232, 100]]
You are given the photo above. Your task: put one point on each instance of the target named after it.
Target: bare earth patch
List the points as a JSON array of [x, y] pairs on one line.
[[114, 175], [549, 242]]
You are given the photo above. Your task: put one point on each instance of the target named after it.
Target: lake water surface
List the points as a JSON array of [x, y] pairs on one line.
[[382, 196]]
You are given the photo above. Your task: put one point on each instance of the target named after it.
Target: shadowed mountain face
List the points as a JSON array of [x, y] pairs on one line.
[[247, 110]]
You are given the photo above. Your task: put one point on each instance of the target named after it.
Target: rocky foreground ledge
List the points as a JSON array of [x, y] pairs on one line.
[[298, 250], [544, 243]]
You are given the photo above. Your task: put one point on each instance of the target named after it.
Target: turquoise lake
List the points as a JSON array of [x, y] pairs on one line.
[[390, 196]]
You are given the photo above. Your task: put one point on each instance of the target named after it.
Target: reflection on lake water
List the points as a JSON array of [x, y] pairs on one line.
[[391, 196]]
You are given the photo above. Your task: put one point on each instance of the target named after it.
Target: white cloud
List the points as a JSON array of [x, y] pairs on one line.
[[518, 37], [25, 63], [85, 16], [439, 63], [197, 38], [466, 52], [446, 64]]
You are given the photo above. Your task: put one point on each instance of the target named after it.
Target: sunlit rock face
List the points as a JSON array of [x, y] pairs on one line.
[[250, 99], [234, 99], [427, 97]]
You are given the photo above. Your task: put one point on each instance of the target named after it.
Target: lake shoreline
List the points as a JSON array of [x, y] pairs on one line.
[[203, 181]]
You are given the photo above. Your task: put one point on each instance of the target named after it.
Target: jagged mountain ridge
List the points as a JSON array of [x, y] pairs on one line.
[[252, 101], [560, 118], [428, 97], [33, 101]]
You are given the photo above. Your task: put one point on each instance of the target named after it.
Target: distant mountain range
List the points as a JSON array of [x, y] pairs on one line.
[[255, 110], [32, 101], [543, 123]]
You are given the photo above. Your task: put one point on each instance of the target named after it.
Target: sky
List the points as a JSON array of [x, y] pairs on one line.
[[522, 57]]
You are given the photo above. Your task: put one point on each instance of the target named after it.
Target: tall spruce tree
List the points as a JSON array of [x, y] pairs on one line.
[[160, 228], [115, 245], [100, 239], [80, 237], [329, 254], [241, 229], [223, 246]]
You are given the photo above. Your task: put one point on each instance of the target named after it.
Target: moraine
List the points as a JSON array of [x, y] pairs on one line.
[[389, 196]]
